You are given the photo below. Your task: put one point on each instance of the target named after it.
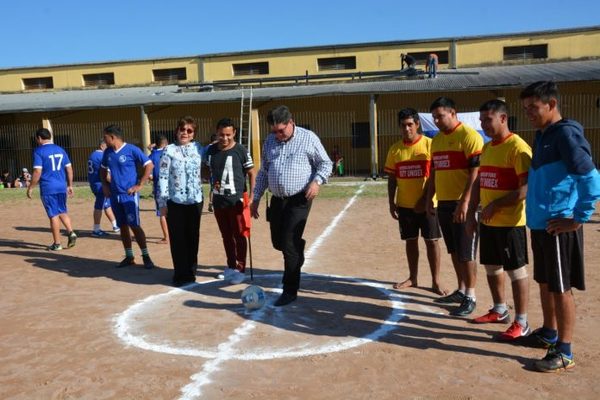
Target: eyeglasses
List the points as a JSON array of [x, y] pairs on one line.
[[188, 130], [280, 131]]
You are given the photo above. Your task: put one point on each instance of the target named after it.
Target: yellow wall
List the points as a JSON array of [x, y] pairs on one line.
[[71, 76], [293, 62]]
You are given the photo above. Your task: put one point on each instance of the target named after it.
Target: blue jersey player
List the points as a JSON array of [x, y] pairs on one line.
[[52, 170], [122, 160], [155, 155], [101, 202]]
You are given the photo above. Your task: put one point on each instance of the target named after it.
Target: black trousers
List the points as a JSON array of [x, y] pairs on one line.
[[287, 219], [183, 221]]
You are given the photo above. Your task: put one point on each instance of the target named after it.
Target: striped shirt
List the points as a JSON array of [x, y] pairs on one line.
[[287, 168]]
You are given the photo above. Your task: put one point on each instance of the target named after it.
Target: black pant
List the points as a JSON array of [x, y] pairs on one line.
[[183, 221], [287, 218]]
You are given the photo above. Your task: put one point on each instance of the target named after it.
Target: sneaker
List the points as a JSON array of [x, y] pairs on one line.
[[55, 247], [236, 277], [554, 361], [116, 229], [514, 331], [454, 297], [72, 239], [466, 307], [544, 341], [226, 275], [285, 299], [126, 262], [99, 233], [148, 264], [210, 207], [492, 317]]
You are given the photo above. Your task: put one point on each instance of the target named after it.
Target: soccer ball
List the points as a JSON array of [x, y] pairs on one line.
[[253, 297]]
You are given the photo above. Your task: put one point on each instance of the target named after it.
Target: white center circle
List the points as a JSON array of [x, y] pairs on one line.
[[129, 327]]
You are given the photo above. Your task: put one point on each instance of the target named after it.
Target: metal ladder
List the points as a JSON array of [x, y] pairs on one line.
[[245, 129]]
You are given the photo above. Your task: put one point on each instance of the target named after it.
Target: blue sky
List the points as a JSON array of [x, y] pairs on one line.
[[66, 31]]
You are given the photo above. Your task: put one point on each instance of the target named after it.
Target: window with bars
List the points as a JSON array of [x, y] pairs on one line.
[[257, 68], [102, 79], [525, 52], [45, 82], [422, 56], [336, 63], [169, 74]]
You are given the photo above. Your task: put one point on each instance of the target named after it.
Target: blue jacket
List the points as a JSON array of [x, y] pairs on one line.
[[563, 181]]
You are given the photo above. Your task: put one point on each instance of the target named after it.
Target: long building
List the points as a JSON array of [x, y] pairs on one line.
[[348, 94]]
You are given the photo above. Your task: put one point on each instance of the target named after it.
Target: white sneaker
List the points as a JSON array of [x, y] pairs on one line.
[[116, 229], [226, 274], [237, 277]]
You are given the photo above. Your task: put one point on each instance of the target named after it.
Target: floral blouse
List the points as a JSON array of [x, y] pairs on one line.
[[179, 178]]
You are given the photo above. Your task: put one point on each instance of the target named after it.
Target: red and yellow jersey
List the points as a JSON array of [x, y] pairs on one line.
[[452, 153], [502, 165], [410, 164]]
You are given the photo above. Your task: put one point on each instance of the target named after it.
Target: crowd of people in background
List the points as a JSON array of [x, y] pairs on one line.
[[452, 187]]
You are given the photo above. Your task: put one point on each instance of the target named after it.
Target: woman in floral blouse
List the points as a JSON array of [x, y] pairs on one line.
[[180, 199]]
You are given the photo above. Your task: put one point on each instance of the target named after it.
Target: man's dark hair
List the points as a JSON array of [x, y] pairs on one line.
[[495, 106], [543, 90], [43, 134], [279, 115], [162, 138], [406, 113], [226, 123], [114, 130], [443, 102]]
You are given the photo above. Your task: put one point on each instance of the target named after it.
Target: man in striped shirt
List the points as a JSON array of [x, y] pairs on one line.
[[294, 166]]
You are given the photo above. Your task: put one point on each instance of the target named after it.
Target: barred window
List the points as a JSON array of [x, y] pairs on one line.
[[258, 68], [525, 52], [169, 74], [45, 82], [102, 79], [336, 63]]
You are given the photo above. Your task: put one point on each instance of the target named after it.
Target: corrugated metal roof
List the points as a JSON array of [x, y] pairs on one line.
[[448, 80]]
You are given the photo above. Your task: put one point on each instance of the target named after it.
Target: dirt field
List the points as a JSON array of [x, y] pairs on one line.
[[74, 327]]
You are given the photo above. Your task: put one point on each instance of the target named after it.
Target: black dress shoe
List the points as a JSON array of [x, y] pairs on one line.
[[285, 299]]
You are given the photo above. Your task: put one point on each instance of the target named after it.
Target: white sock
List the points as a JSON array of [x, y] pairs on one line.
[[96, 227], [500, 308], [521, 319], [114, 223], [470, 293]]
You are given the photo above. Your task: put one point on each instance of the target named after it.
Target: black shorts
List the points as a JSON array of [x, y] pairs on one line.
[[505, 246], [558, 260], [455, 235], [411, 222]]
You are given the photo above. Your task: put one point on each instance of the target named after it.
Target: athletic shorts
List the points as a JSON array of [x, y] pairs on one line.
[[55, 204], [505, 246], [101, 202], [126, 208], [411, 222], [558, 260], [455, 235]]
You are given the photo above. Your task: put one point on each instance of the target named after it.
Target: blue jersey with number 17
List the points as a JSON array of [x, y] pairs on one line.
[[123, 164], [52, 160]]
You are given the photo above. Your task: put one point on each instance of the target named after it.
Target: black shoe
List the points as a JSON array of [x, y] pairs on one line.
[[148, 264], [285, 299], [466, 307], [454, 297], [126, 262]]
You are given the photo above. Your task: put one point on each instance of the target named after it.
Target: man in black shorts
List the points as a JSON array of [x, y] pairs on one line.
[[563, 188], [501, 188], [408, 164]]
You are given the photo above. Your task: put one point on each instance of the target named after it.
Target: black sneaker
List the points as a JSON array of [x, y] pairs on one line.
[[148, 264], [55, 247], [466, 307], [126, 262], [72, 239], [285, 299], [454, 297], [555, 361]]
